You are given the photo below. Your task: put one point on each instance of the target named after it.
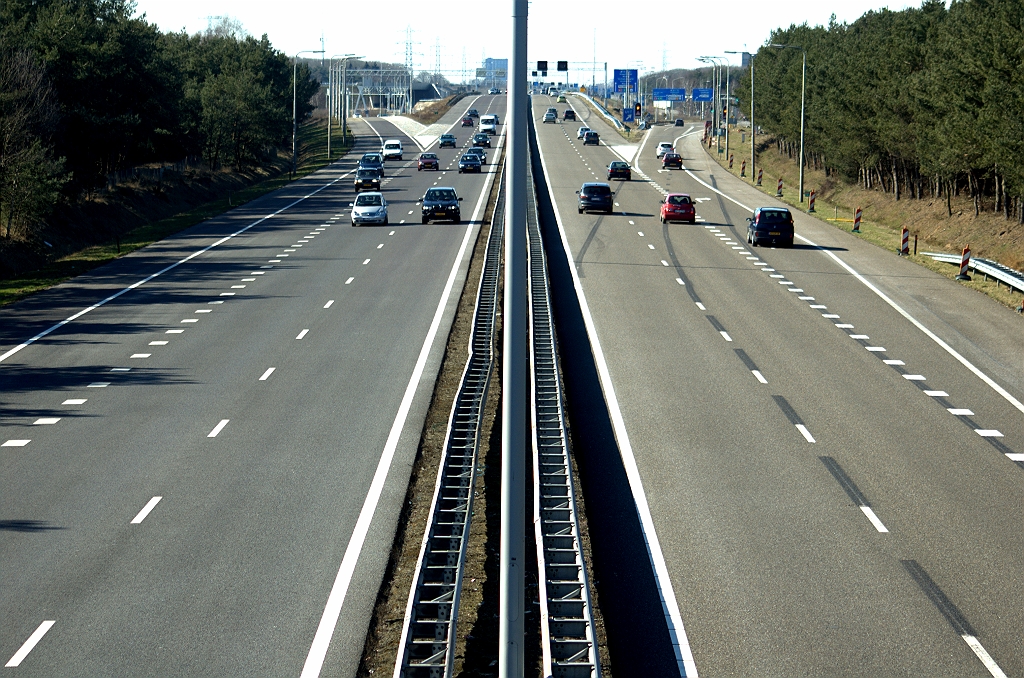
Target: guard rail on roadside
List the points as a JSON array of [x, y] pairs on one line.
[[600, 109], [990, 269]]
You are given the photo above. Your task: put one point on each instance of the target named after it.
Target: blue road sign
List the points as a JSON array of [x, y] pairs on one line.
[[624, 76], [704, 94], [666, 94], [628, 115]]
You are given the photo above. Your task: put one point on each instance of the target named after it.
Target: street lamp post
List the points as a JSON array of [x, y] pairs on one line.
[[331, 99], [295, 119], [803, 100], [715, 60], [660, 78], [752, 163]]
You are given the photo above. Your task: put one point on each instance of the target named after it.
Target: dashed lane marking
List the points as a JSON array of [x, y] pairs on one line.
[[145, 510]]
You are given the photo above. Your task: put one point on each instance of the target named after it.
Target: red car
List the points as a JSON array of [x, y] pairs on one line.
[[427, 161], [672, 160], [468, 122], [678, 207]]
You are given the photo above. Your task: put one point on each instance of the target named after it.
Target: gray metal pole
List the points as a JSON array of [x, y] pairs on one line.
[[295, 122], [330, 106], [344, 101], [726, 108], [515, 382], [753, 125], [803, 94]]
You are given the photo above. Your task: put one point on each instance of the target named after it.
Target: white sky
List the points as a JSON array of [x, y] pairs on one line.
[[627, 34]]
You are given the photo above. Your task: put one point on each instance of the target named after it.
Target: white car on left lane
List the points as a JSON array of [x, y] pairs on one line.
[[369, 208]]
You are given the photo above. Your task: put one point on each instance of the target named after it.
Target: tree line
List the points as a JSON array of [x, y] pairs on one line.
[[924, 102], [87, 87]]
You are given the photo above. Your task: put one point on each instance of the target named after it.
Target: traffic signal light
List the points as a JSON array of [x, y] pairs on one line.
[[563, 65], [542, 65], [636, 109]]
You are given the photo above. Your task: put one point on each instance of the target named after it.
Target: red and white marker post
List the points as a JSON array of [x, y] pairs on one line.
[[778, 193], [856, 221], [743, 168], [965, 261], [905, 242], [810, 206]]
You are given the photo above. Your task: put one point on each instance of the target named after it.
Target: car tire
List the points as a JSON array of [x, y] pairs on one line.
[[663, 220], [581, 210], [385, 221], [693, 221], [425, 220], [419, 169]]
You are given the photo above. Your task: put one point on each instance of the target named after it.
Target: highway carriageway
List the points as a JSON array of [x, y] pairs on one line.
[[206, 443], [824, 443]]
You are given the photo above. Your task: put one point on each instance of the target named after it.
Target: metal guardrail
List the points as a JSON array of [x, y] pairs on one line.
[[600, 109], [567, 629], [428, 632], [990, 269]]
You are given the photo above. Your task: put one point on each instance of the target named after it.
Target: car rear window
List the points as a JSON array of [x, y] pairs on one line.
[[597, 190], [679, 200], [619, 165], [774, 217], [367, 200]]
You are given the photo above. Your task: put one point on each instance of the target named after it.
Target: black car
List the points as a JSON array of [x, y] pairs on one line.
[[591, 138], [596, 197], [482, 139], [478, 152], [469, 163], [367, 180], [770, 225], [447, 140], [472, 113], [441, 203], [372, 161], [569, 114], [679, 122], [672, 160], [619, 170]]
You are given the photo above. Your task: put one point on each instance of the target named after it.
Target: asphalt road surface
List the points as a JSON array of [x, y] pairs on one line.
[[203, 472], [828, 438]]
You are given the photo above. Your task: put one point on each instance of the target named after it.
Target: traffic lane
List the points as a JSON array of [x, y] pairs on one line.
[[657, 420], [944, 432]]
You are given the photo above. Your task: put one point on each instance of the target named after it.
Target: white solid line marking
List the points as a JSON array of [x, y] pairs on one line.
[[988, 433], [960, 411], [725, 335], [349, 281], [16, 443], [74, 401], [302, 334], [937, 394], [158, 343], [140, 355], [914, 377], [876, 349], [874, 519], [894, 362], [23, 651], [218, 428], [680, 281], [145, 510], [1015, 456], [99, 384], [44, 421], [984, 656], [759, 376], [190, 320], [365, 262], [844, 326], [329, 303], [700, 306], [806, 434], [266, 375], [664, 263], [859, 336], [174, 332]]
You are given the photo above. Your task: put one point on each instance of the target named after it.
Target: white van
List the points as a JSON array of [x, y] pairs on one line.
[[489, 124], [392, 149]]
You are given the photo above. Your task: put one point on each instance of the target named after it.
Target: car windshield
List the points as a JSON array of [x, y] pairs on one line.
[[597, 190], [470, 157], [774, 217], [428, 156], [679, 200], [440, 194], [366, 174], [446, 137], [371, 158], [368, 200]]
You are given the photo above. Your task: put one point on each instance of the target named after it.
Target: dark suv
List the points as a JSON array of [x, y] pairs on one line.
[[770, 225], [441, 203], [372, 161], [596, 197], [569, 114]]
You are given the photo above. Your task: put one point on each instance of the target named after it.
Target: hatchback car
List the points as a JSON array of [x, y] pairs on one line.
[[367, 180], [550, 117], [569, 114], [447, 141], [678, 207], [441, 203], [428, 161], [770, 225], [469, 163], [619, 170], [560, 99], [472, 113], [679, 122], [468, 122], [663, 148], [672, 160], [581, 131], [482, 139], [369, 208], [595, 197], [478, 152], [591, 138]]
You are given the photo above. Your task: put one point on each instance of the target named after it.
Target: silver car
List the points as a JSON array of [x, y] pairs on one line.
[[369, 208], [550, 117]]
